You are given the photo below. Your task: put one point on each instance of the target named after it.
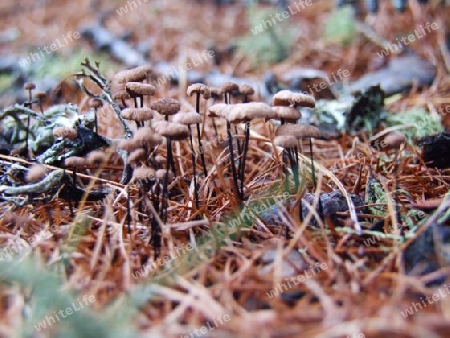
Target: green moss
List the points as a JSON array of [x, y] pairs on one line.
[[6, 81], [340, 26], [59, 66], [265, 44], [420, 121]]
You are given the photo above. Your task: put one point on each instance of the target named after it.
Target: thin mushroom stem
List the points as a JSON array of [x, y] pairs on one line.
[[166, 179], [243, 160], [202, 154], [313, 176], [95, 120], [128, 215], [233, 168], [194, 170]]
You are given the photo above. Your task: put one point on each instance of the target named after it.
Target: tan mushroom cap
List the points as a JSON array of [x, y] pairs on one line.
[[136, 156], [299, 131], [394, 140], [36, 173], [121, 94], [147, 135], [138, 88], [160, 159], [65, 132], [96, 157], [199, 88], [40, 94], [176, 131], [229, 86], [288, 98], [161, 174], [187, 118], [288, 114], [131, 75], [129, 145], [286, 141], [29, 86], [166, 106], [75, 162], [246, 89], [138, 114], [143, 173], [241, 112], [219, 110]]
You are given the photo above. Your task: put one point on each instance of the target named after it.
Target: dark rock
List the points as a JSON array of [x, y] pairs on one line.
[[436, 150], [332, 203], [428, 252]]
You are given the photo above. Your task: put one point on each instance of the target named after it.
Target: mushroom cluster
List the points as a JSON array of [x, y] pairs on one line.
[[165, 132]]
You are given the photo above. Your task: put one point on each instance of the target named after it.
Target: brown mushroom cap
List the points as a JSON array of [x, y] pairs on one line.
[[29, 86], [40, 94], [75, 162], [96, 157], [219, 110], [121, 94], [137, 88], [136, 156], [176, 131], [199, 88], [166, 106], [129, 145], [138, 114], [246, 89], [131, 75], [36, 173], [241, 112], [229, 87], [299, 131], [288, 114], [65, 132], [187, 118], [286, 141], [143, 173], [161, 174], [147, 135], [288, 98], [160, 159], [394, 140]]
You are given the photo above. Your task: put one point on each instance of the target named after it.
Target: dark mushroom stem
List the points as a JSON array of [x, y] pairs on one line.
[[166, 180], [233, 168], [202, 154], [244, 155], [194, 170]]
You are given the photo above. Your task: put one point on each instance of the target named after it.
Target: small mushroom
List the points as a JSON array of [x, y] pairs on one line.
[[289, 98], [36, 173], [188, 119], [166, 107]]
